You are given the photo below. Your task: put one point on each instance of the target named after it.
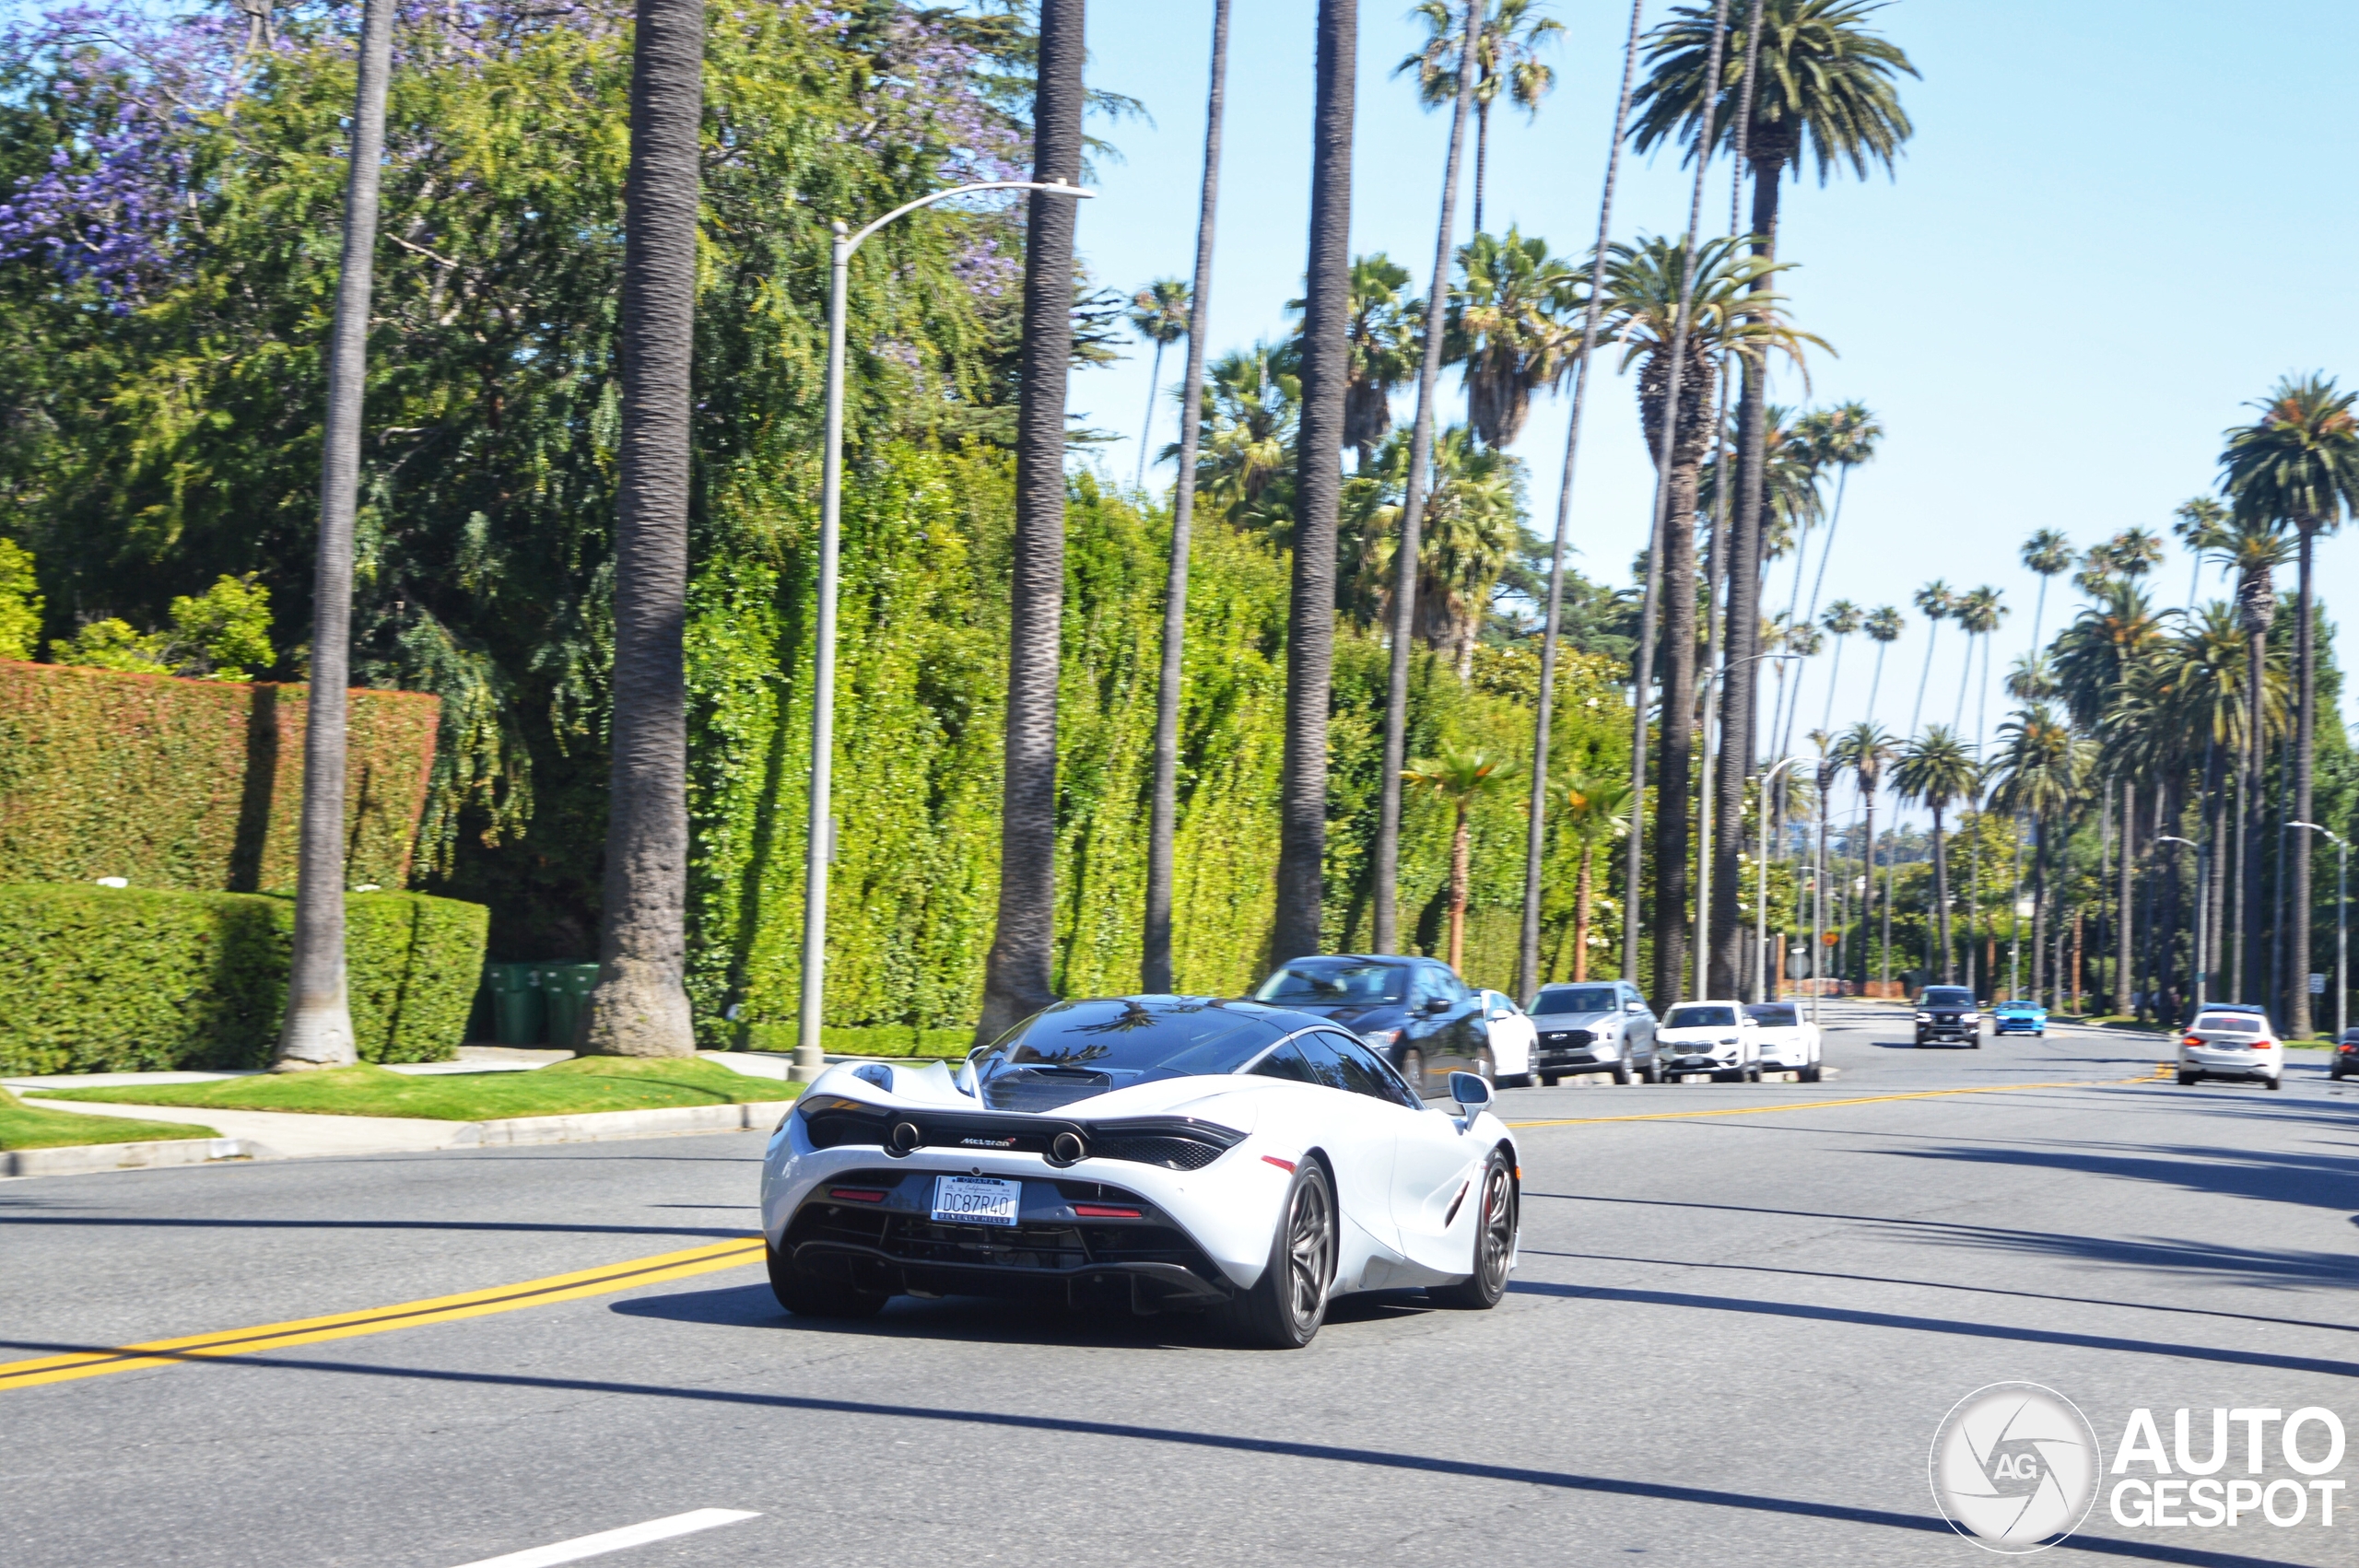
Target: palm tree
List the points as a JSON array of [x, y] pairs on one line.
[[1460, 777], [1017, 972], [1646, 285], [1511, 325], [1883, 627], [1937, 768], [1841, 437], [1472, 531], [1154, 946], [2048, 554], [1158, 314], [2253, 551], [317, 1032], [1384, 338], [638, 1007], [2040, 771], [1252, 406], [2202, 524], [1507, 54], [1799, 73], [1866, 749], [1842, 618], [1596, 808], [2298, 464], [1978, 615], [1936, 601], [1409, 557]]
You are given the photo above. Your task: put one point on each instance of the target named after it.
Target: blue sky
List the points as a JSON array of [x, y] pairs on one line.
[[2115, 225]]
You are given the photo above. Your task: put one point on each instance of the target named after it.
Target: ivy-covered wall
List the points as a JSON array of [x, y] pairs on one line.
[[194, 785], [922, 660]]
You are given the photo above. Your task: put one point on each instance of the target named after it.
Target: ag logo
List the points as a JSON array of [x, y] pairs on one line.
[[2014, 1467]]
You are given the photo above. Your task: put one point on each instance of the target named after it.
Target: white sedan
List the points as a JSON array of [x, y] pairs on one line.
[[1515, 1042], [1146, 1154], [1790, 1041]]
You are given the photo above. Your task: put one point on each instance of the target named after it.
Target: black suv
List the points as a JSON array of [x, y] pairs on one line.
[[1426, 1021], [1947, 1012]]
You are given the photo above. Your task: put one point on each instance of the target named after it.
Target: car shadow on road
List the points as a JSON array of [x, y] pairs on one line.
[[985, 1320], [2308, 1179]]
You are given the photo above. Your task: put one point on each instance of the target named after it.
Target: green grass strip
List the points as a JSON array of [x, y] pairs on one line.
[[27, 1127], [565, 1088]]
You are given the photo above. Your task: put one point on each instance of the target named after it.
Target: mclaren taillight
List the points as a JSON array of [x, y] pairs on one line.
[[1105, 1212], [858, 1194]]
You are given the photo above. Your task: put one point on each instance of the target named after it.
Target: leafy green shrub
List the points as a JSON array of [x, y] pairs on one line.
[[875, 1040], [140, 979], [194, 784]]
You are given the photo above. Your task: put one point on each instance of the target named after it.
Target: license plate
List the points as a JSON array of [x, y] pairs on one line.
[[976, 1201], [1694, 1078]]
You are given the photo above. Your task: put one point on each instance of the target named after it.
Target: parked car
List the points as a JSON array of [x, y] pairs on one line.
[[1515, 1040], [1947, 1012], [1717, 1039], [2017, 1016], [2346, 1055], [2233, 1043], [1789, 1042], [1595, 1026], [1424, 1020]]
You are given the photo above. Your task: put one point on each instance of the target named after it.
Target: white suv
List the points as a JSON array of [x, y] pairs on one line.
[[2222, 1044], [1708, 1039]]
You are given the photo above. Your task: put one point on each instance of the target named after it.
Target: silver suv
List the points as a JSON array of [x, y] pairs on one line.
[[1594, 1026]]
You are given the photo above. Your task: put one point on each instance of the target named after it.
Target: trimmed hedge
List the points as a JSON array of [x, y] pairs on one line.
[[137, 979], [195, 785], [875, 1040]]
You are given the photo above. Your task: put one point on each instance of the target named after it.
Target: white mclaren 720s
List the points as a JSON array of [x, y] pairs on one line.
[[1150, 1154]]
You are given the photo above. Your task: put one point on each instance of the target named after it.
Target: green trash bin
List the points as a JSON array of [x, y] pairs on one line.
[[519, 1013], [566, 988]]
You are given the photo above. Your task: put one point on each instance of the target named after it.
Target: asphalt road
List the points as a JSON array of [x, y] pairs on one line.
[[1731, 1341]]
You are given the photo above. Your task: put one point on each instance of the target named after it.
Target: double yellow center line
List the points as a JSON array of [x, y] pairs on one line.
[[1823, 1105], [408, 1314]]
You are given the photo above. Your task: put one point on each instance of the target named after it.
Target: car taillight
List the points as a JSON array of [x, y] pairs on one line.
[[857, 1193], [2192, 1040], [1100, 1212]]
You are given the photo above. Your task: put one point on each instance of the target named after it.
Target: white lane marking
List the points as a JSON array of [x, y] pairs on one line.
[[574, 1550]]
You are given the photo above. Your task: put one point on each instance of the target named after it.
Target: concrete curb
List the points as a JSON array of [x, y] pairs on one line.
[[78, 1159], [596, 1126]]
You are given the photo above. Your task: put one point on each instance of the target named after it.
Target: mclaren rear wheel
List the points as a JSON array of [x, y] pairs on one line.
[[1494, 1244], [1288, 1303], [807, 1296]]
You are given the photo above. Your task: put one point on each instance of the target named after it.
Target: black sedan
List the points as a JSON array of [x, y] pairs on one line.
[[1426, 1020]]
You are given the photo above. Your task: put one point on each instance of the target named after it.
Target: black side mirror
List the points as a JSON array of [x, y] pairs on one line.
[[1437, 1004]]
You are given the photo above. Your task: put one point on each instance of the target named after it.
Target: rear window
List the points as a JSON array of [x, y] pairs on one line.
[[2228, 1024], [1575, 999], [1335, 982], [1076, 1050], [1774, 1014], [1702, 1016]]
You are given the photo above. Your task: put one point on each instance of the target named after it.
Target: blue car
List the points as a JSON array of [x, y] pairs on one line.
[[2019, 1017]]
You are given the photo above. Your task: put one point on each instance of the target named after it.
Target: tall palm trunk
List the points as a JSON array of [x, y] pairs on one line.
[[1933, 633], [2216, 881], [1460, 878], [2125, 963], [1868, 899], [1147, 430], [1942, 896], [318, 1028], [1155, 955], [1017, 976], [1583, 896], [1409, 551], [1675, 770], [2248, 982], [1482, 156], [2297, 967], [1536, 821], [1875, 682], [638, 1007], [1319, 465]]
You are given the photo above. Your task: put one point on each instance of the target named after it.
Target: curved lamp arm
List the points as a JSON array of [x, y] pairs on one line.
[[1054, 187]]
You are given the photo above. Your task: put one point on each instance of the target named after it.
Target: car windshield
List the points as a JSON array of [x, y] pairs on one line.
[[1079, 1048], [1946, 996], [2228, 1024], [1702, 1015], [1774, 1014], [1335, 982], [2018, 1005], [1575, 999]]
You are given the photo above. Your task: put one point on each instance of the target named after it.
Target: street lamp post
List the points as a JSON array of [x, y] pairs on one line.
[[2201, 860], [2341, 927], [819, 852], [1761, 897], [1703, 818]]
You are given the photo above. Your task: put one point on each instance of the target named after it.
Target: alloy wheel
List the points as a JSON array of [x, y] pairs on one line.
[[1310, 1251]]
